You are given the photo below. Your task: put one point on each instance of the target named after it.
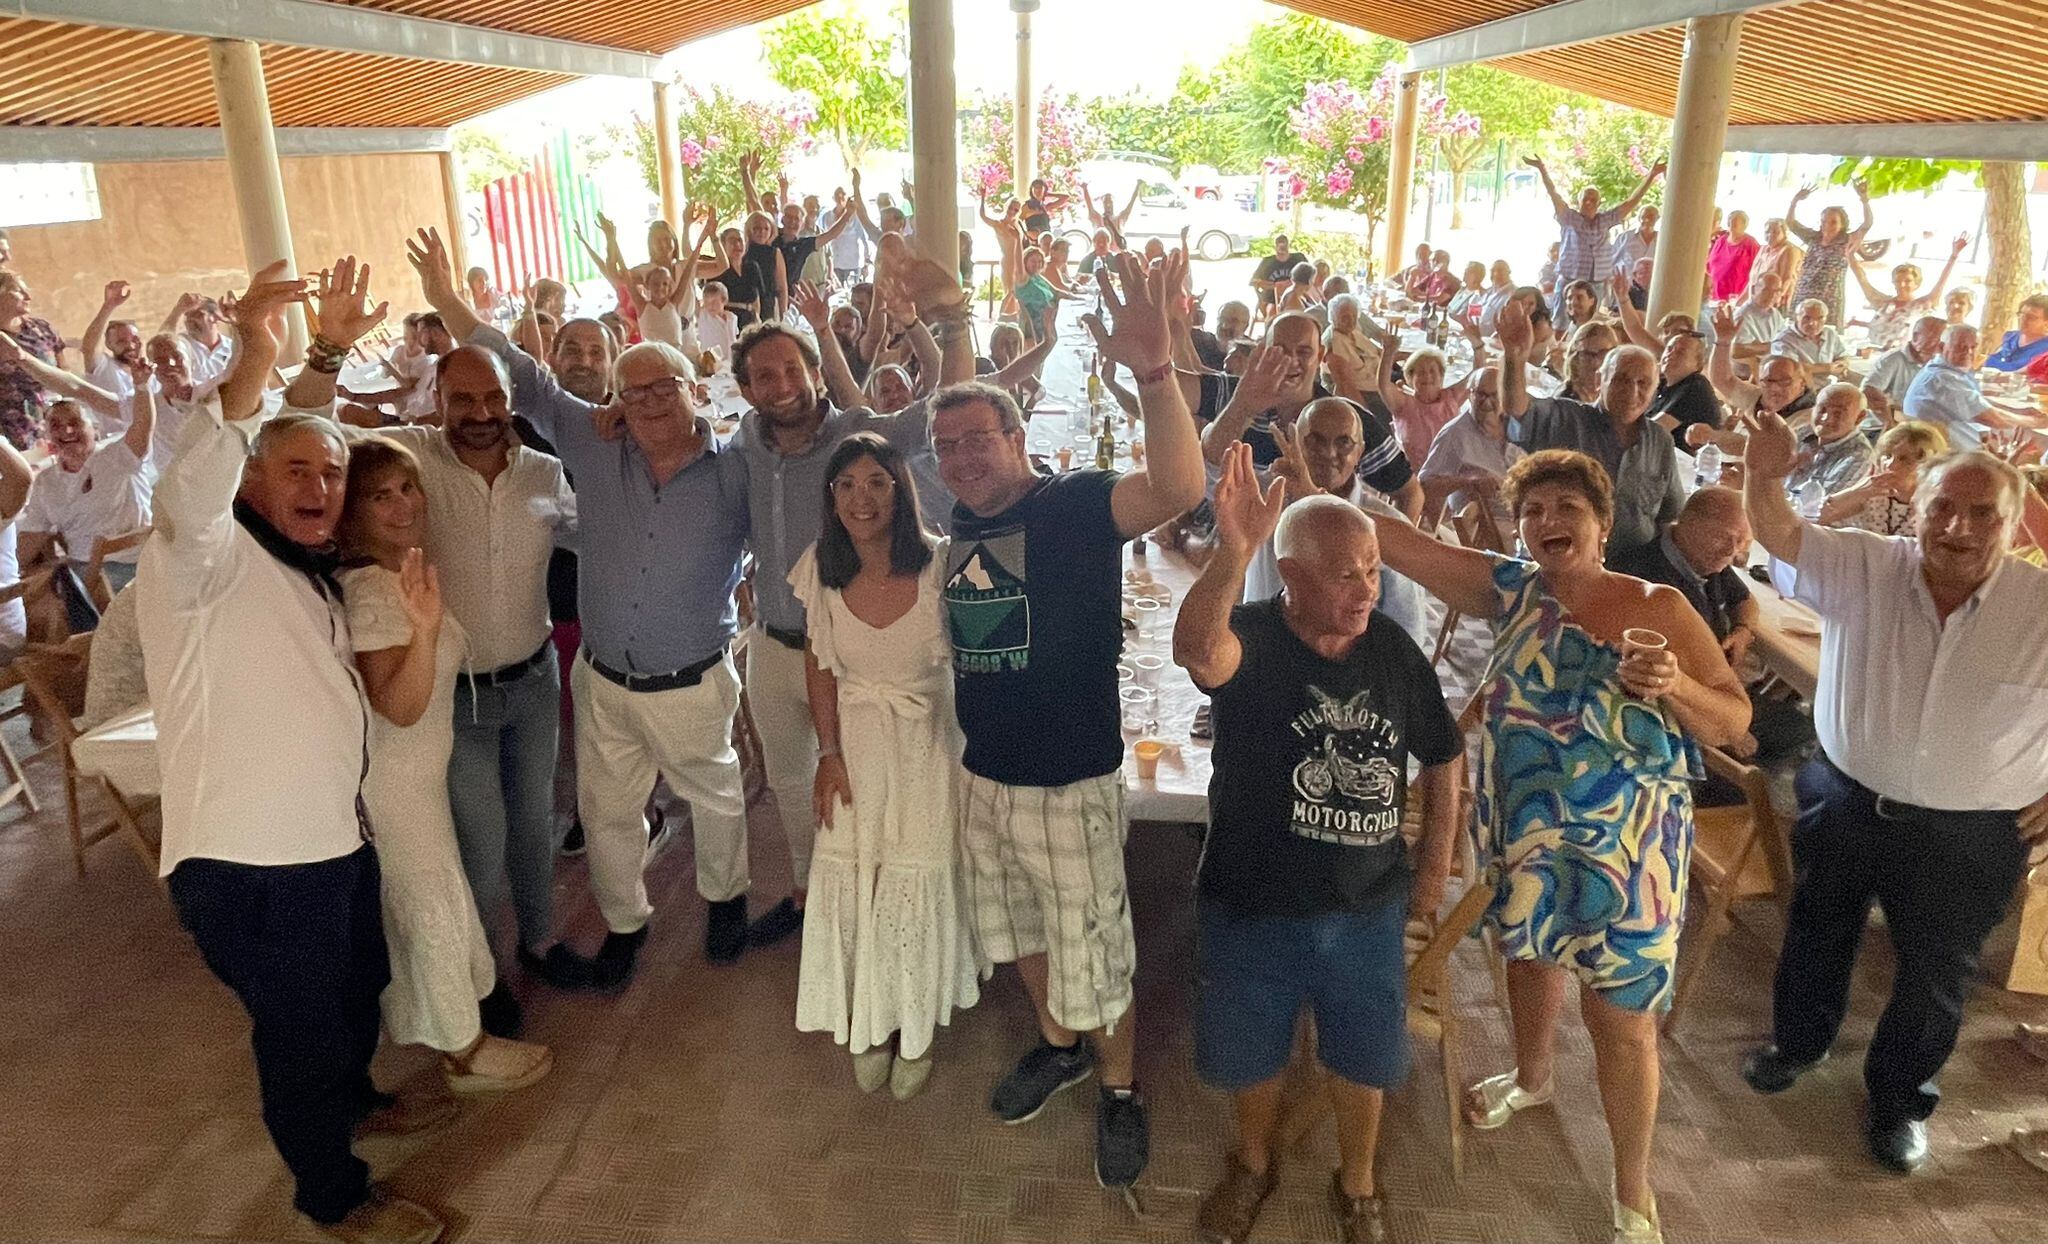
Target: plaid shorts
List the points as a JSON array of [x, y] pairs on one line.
[[1043, 868]]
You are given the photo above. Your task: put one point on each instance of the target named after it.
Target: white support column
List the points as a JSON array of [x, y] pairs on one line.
[[458, 224], [253, 172], [1699, 134], [666, 154], [934, 133], [1024, 121], [1401, 171]]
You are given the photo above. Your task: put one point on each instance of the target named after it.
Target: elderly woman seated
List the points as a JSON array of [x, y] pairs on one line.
[[1883, 501], [2026, 344]]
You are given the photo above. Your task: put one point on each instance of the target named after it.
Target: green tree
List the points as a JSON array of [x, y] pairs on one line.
[[830, 52], [2005, 218], [1503, 106], [484, 157], [1608, 147], [1264, 80]]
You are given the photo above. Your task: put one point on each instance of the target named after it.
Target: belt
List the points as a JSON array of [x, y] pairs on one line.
[[788, 639], [1891, 809], [518, 669], [688, 676]]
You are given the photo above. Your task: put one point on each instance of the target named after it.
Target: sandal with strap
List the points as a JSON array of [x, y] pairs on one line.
[[1501, 1098], [1631, 1227], [526, 1064]]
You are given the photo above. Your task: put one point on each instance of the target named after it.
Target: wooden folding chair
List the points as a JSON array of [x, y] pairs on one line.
[[96, 584], [31, 589], [55, 678], [1738, 852]]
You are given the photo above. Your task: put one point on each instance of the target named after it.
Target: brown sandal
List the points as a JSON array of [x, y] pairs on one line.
[[531, 1064]]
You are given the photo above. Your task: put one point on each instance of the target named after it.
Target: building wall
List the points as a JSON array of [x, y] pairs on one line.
[[168, 227]]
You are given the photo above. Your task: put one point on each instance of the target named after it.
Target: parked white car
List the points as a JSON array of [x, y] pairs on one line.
[[1216, 229]]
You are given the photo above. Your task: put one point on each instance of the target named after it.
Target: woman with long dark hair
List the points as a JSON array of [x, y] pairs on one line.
[[886, 953]]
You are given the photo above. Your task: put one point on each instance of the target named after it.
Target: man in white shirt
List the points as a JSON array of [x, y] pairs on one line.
[[1813, 342], [495, 507], [265, 834], [1758, 321], [93, 487], [1932, 712], [112, 347], [851, 249], [197, 320]]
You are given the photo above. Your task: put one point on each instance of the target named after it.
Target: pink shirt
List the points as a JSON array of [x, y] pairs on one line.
[[1728, 264], [1416, 423]]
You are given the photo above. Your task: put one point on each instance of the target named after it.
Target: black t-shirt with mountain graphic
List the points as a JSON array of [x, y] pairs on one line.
[[1311, 767], [1034, 607]]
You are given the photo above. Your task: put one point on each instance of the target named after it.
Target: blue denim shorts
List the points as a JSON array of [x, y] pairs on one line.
[[1257, 971]]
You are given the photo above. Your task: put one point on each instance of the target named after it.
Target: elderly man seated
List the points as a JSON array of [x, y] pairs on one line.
[[1946, 393], [1306, 883], [1701, 554], [1892, 374], [1813, 342], [1833, 448]]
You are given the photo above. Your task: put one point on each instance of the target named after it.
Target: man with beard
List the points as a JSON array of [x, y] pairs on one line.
[[112, 347], [787, 441], [198, 319], [179, 393], [662, 517], [1638, 453], [496, 507]]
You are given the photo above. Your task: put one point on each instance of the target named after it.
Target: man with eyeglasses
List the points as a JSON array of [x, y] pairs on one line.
[[1034, 608], [786, 442], [662, 512]]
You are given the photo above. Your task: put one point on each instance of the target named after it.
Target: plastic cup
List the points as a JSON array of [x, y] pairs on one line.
[[1148, 614], [1066, 457], [1148, 752], [1148, 666], [1140, 708], [1642, 639], [1125, 675], [1137, 453]]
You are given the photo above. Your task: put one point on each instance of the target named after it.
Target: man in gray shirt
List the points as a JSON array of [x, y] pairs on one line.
[[1639, 455], [663, 516]]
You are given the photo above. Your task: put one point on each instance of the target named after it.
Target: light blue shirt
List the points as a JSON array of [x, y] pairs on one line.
[[659, 562], [1950, 397]]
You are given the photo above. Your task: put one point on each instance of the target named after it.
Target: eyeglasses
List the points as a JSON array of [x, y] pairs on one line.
[[665, 390], [846, 487], [970, 442]]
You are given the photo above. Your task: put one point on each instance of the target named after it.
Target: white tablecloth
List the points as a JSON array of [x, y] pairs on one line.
[[123, 751]]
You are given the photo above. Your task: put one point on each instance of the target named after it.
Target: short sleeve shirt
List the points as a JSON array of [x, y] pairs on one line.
[[1690, 401], [1034, 609], [1311, 767], [1647, 487], [1381, 463]]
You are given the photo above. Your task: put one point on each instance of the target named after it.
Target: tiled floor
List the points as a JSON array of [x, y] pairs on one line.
[[689, 1108]]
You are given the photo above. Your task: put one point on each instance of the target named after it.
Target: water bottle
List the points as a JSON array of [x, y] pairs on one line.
[[1707, 466], [1812, 495]]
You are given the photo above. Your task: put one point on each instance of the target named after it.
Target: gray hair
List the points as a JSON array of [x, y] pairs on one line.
[[2008, 476], [1317, 512], [1840, 386], [275, 431], [677, 363], [1620, 354], [968, 392], [1804, 303]]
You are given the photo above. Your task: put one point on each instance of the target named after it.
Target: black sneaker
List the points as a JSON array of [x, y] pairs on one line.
[[1038, 1077], [572, 842], [613, 966], [1768, 1070], [500, 1013], [725, 930], [780, 921], [1123, 1138], [561, 967]]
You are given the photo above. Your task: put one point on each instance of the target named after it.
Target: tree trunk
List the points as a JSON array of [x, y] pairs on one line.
[[2012, 246], [1457, 198]]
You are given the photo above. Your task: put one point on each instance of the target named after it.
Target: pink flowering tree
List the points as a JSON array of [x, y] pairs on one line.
[[714, 129], [1341, 149], [1066, 137]]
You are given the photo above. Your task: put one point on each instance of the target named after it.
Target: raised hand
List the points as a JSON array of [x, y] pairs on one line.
[[1861, 186], [1772, 448], [1512, 327], [1802, 192], [260, 311], [1290, 466], [419, 592], [341, 301], [1618, 285], [1726, 323], [116, 293], [928, 286], [1264, 374], [1961, 244], [1660, 168], [606, 227], [1142, 340], [1245, 513], [429, 258], [811, 304], [1533, 161]]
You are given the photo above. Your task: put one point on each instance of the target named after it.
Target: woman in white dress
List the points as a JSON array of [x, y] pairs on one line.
[[409, 652], [886, 952]]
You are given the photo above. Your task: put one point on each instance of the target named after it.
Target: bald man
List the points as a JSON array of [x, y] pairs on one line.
[[1305, 883]]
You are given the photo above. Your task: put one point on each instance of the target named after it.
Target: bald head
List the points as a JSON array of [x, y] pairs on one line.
[[1712, 530], [1329, 555], [1301, 340]]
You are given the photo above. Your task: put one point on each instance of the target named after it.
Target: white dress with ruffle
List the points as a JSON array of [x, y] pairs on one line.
[[886, 947]]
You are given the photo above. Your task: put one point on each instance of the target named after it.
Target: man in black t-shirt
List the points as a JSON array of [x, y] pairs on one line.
[[1306, 883], [1034, 609], [1685, 397], [1274, 271]]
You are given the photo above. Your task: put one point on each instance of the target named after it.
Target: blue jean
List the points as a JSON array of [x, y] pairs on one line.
[[501, 787]]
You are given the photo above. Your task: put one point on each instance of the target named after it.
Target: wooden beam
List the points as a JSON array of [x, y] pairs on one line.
[[2003, 140], [124, 144], [344, 28], [1568, 22]]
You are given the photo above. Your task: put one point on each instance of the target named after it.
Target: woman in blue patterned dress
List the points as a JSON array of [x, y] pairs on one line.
[[1585, 810]]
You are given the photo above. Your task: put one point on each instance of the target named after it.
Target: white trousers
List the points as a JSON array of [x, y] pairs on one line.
[[623, 740], [781, 707]]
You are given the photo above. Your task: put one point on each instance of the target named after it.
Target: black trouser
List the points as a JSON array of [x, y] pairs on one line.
[[1943, 880], [302, 945]]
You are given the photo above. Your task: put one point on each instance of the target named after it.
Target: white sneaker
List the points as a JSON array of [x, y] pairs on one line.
[[1632, 1228]]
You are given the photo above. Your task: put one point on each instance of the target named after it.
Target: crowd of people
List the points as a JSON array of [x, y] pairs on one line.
[[542, 520]]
